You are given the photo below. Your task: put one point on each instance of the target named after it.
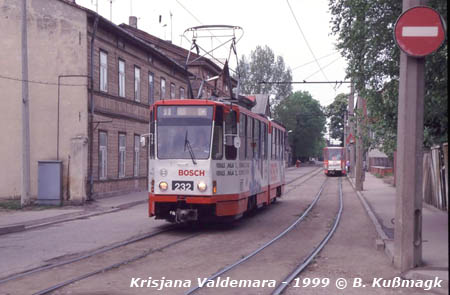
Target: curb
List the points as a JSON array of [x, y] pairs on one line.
[[388, 245], [21, 227], [385, 243]]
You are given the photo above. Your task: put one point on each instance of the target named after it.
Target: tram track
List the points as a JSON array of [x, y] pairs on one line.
[[91, 255], [307, 261], [112, 266], [277, 238], [45, 267], [56, 268]]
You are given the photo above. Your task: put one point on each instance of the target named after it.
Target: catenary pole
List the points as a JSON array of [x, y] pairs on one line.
[[25, 192], [351, 117], [359, 145], [408, 207]]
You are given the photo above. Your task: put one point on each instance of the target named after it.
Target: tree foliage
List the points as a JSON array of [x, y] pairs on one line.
[[335, 113], [304, 116], [365, 39], [263, 65]]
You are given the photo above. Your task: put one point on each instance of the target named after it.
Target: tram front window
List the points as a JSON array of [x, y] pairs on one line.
[[334, 154], [184, 132]]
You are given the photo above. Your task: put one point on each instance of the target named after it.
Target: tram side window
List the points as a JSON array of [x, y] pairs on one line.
[[230, 134], [152, 135], [281, 145], [261, 140], [256, 139], [242, 129], [249, 151], [274, 148], [272, 140], [217, 147], [277, 143], [265, 141]]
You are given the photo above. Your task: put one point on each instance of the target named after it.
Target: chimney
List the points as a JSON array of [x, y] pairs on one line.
[[133, 21]]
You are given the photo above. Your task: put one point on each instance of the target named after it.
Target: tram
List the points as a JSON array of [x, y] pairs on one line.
[[334, 161], [212, 160]]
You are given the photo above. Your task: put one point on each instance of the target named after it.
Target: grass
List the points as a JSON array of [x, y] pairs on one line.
[[14, 204], [10, 204]]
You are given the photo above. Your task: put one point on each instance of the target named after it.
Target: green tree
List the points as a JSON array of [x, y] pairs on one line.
[[264, 66], [365, 39], [335, 112], [304, 116]]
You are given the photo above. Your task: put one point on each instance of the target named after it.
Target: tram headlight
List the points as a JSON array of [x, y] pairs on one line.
[[163, 185], [201, 186]]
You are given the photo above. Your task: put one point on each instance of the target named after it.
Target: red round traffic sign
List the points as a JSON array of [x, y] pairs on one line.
[[419, 31]]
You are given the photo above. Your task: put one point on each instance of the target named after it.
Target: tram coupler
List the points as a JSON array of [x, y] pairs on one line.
[[183, 215]]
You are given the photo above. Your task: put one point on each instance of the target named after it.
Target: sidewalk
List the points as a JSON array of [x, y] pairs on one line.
[[378, 198], [15, 221]]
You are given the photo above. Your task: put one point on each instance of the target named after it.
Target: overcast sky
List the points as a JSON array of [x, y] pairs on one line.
[[265, 22]]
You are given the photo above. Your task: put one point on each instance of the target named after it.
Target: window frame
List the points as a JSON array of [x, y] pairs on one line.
[[120, 152], [172, 91], [136, 155], [137, 84], [102, 160], [151, 88], [182, 93], [162, 92], [122, 78], [103, 71]]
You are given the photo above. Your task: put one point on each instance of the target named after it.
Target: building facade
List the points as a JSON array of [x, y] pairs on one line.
[[129, 75], [92, 126]]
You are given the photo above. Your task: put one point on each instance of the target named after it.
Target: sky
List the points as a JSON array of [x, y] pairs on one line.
[[308, 48]]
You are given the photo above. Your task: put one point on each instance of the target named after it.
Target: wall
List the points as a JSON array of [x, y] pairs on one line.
[[115, 114], [57, 45]]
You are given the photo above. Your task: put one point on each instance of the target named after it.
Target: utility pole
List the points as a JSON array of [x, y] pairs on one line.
[[359, 146], [25, 196], [351, 117], [408, 207]]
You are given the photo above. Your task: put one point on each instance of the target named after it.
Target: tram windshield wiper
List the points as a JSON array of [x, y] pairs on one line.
[[188, 145]]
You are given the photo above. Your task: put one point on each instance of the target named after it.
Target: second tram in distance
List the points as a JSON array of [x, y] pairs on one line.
[[212, 159], [334, 161]]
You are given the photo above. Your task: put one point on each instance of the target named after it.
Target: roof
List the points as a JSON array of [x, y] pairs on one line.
[[177, 50], [127, 35], [262, 103]]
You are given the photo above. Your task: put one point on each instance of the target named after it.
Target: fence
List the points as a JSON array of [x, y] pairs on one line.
[[435, 177]]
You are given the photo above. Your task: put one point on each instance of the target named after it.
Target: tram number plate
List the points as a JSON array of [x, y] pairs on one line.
[[182, 185]]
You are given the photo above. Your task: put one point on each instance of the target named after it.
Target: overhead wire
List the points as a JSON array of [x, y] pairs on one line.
[[39, 82], [327, 65], [312, 61], [306, 41]]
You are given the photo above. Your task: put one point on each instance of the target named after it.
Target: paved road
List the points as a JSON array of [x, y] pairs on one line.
[[28, 249]]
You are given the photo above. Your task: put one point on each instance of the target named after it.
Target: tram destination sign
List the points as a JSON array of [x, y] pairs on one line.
[[419, 31]]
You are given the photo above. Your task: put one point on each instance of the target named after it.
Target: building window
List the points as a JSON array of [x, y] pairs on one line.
[[172, 91], [181, 93], [121, 78], [137, 84], [103, 71], [122, 153], [102, 155], [163, 88], [151, 88], [136, 155]]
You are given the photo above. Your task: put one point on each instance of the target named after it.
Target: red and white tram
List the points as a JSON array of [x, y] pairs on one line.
[[212, 159], [334, 160]]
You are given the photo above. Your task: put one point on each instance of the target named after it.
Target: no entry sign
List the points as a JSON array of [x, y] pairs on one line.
[[419, 31]]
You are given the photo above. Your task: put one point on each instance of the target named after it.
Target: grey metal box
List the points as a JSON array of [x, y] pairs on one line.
[[49, 183]]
